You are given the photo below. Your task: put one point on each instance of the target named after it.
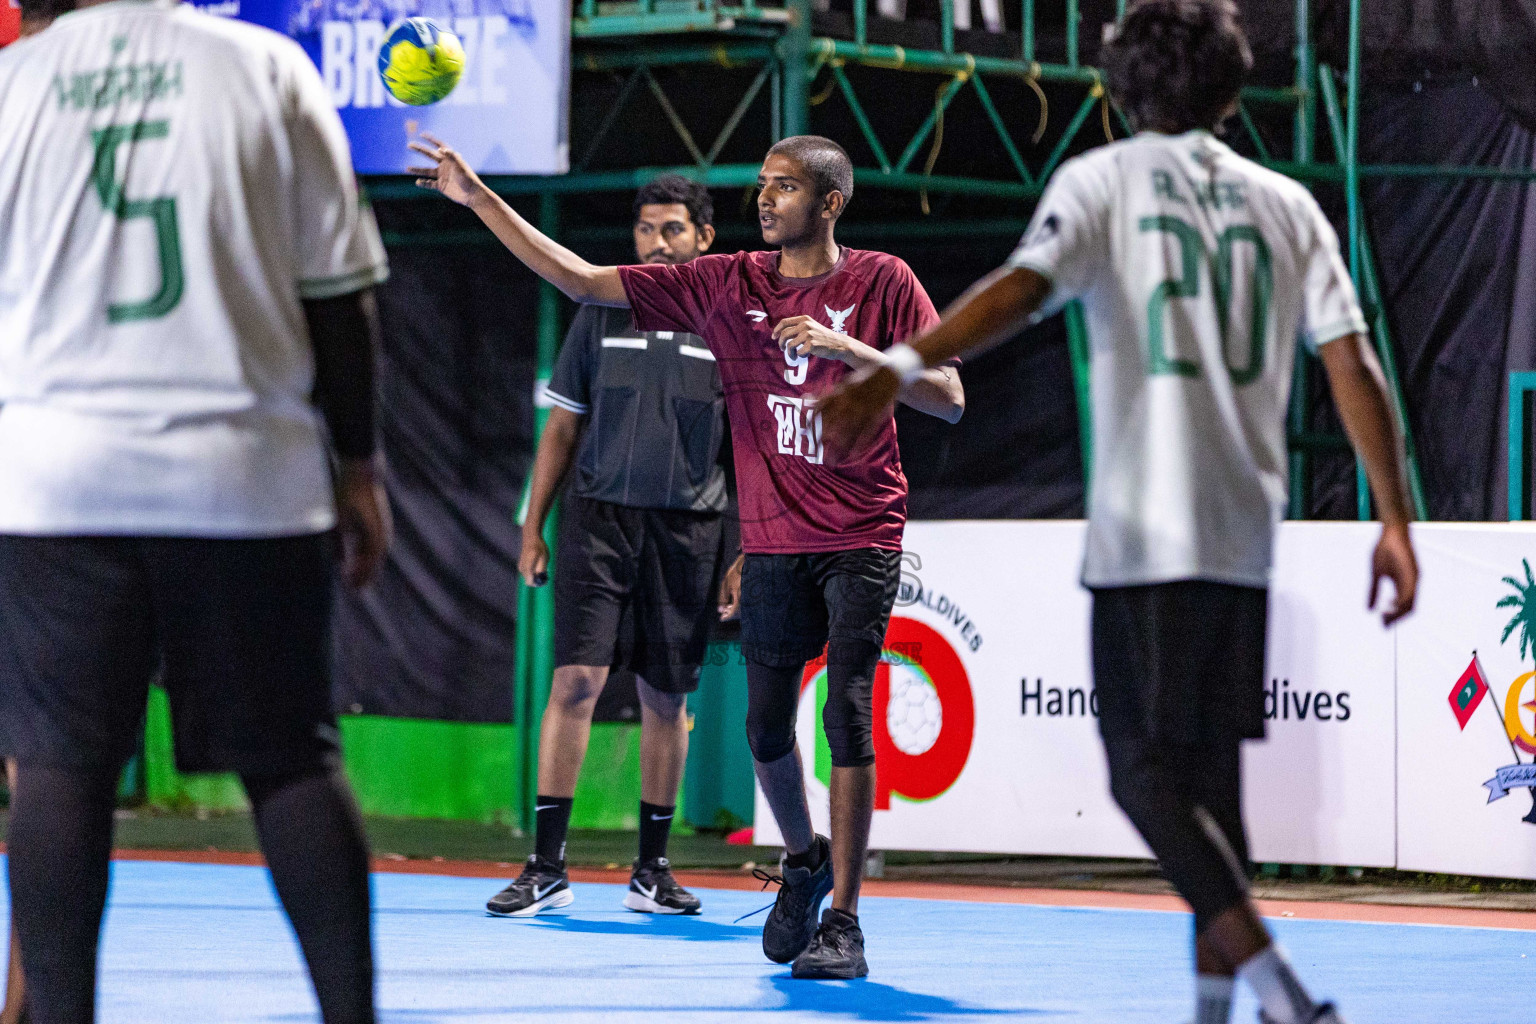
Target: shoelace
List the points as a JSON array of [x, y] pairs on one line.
[[664, 881], [767, 878], [529, 878]]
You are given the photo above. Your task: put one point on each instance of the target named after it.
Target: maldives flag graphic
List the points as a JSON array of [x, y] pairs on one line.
[[1470, 690]]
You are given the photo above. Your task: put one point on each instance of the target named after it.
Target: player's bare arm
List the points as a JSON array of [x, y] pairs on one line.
[[578, 279], [1360, 394], [988, 313], [937, 392], [557, 449]]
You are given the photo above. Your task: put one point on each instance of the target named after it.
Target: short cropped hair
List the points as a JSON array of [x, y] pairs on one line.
[[824, 160], [45, 10], [1177, 65], [674, 188]]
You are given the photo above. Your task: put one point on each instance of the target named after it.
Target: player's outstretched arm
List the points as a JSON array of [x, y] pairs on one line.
[[1360, 394], [578, 279], [991, 311]]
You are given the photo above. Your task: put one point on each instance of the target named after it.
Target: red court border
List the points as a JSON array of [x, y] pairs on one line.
[[1377, 913]]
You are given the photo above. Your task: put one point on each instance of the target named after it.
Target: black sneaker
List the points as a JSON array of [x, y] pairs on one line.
[[542, 886], [792, 921], [836, 950], [653, 890]]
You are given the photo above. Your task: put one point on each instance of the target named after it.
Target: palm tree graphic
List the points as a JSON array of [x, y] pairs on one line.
[[1523, 600]]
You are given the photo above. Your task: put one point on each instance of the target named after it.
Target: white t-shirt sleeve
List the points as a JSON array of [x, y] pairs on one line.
[[339, 248], [1067, 238], [1330, 308]]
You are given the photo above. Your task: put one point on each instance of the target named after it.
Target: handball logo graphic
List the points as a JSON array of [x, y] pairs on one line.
[[924, 715], [914, 714]]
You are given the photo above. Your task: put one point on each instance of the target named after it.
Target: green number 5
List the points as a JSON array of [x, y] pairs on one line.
[[1191, 251], [161, 210]]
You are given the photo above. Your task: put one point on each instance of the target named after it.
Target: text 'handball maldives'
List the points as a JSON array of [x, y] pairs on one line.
[[421, 62]]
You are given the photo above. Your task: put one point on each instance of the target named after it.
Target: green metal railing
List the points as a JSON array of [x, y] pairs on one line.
[[1522, 414], [799, 72]]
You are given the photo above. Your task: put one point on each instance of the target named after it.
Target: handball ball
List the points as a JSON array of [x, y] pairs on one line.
[[420, 62]]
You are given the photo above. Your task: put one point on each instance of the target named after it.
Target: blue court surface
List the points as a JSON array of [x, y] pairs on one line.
[[197, 944]]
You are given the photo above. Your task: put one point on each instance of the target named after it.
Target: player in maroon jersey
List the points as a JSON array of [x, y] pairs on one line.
[[822, 543]]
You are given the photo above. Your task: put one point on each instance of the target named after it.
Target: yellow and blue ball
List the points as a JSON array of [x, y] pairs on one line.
[[420, 62]]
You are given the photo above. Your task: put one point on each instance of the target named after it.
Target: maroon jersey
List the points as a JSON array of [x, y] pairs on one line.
[[791, 500]]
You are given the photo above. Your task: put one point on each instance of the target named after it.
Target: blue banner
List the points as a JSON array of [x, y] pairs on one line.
[[508, 113], [1513, 776]]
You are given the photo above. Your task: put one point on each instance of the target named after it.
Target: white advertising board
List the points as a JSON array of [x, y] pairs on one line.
[[1319, 788], [1477, 594], [985, 737], [997, 606]]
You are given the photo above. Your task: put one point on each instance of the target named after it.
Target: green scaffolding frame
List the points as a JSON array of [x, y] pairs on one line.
[[778, 40]]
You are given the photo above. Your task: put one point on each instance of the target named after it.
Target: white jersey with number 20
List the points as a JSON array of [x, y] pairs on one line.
[[171, 186], [1198, 272]]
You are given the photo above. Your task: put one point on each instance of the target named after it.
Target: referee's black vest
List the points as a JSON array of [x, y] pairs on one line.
[[655, 414]]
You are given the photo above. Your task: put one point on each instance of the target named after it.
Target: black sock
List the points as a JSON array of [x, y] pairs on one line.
[[655, 827], [313, 839], [552, 818], [811, 859], [848, 918], [60, 845]]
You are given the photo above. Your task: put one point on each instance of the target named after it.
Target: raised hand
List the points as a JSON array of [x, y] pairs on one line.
[[449, 175]]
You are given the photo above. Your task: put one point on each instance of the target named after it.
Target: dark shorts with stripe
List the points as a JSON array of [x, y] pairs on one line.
[[637, 589], [239, 632]]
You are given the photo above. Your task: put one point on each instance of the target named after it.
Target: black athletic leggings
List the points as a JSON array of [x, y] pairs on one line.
[[60, 843], [773, 697], [1186, 803], [1179, 669]]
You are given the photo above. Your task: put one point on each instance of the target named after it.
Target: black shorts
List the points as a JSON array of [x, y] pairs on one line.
[[242, 629], [637, 589], [1180, 663], [792, 604]]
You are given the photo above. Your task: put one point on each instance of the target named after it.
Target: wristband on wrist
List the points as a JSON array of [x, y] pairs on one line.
[[905, 361]]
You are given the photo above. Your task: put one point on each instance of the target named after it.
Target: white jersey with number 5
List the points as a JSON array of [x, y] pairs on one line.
[[1198, 272], [171, 186]]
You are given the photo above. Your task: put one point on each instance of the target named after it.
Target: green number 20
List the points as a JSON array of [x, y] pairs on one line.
[[1192, 250], [161, 210]]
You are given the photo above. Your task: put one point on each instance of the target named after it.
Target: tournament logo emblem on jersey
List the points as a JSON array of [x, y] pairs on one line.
[[838, 319]]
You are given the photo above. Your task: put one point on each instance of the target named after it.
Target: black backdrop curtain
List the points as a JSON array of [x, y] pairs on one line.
[[1458, 275], [434, 636]]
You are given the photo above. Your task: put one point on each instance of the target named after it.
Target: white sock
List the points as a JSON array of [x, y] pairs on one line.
[[1280, 993], [1213, 998]]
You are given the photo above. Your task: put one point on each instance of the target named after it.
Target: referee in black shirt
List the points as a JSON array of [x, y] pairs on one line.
[[641, 416]]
